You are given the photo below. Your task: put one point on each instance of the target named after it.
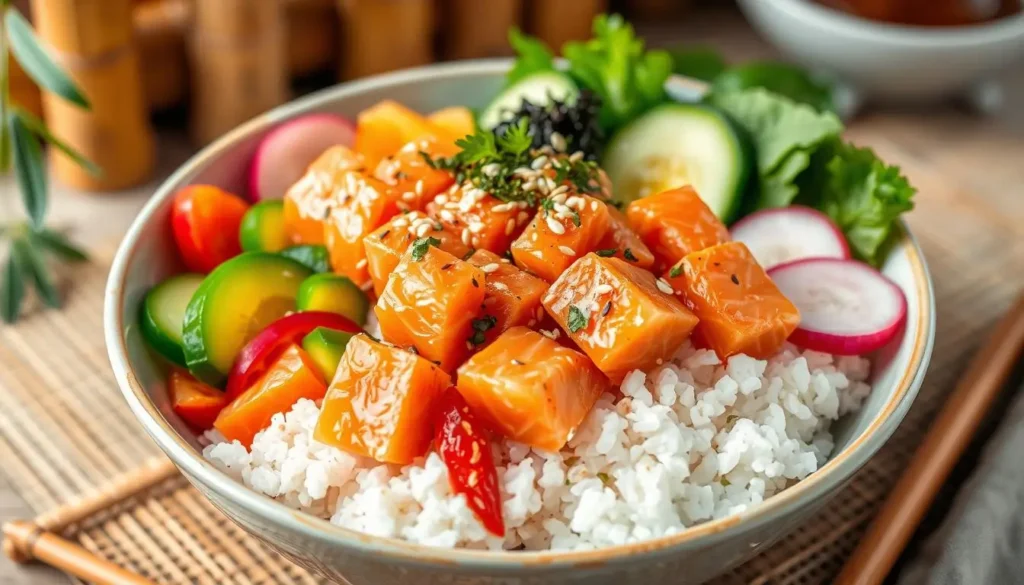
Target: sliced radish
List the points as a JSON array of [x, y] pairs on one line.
[[846, 307], [285, 152], [785, 234]]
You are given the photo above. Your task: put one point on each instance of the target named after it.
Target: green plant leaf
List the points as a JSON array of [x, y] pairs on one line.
[[39, 128], [12, 290], [37, 62], [35, 270], [59, 245], [30, 170], [703, 63]]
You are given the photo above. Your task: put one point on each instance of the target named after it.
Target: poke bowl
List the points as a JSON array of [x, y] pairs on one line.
[[392, 503]]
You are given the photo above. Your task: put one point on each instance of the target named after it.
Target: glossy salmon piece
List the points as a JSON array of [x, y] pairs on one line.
[[622, 242], [531, 389], [740, 308], [482, 221], [307, 202], [386, 245], [618, 315], [457, 121], [293, 376], [414, 181], [674, 223], [360, 204], [551, 243], [380, 402], [387, 126], [512, 296], [430, 304]]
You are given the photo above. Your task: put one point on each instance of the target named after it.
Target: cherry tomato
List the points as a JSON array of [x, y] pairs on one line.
[[196, 403], [205, 221], [463, 445], [267, 346]]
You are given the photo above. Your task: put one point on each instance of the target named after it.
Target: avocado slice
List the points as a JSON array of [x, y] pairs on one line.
[[326, 347]]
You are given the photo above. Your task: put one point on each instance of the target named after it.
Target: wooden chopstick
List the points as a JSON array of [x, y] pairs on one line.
[[942, 447], [40, 540]]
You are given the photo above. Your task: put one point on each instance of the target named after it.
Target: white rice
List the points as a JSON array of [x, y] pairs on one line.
[[691, 441]]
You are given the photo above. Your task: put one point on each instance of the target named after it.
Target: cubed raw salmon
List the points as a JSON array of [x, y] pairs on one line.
[[530, 388], [359, 205], [414, 181], [620, 315], [457, 121], [740, 308], [308, 201], [622, 242], [561, 233], [380, 402], [385, 246], [430, 303], [512, 296], [384, 128], [674, 223], [482, 221]]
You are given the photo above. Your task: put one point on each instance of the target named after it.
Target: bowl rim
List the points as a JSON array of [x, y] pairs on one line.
[[833, 22], [197, 468]]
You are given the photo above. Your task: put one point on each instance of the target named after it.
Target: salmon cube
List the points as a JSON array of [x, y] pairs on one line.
[[380, 402], [307, 202], [457, 121], [622, 242], [482, 221], [387, 126], [415, 182], [359, 205], [530, 388], [620, 315], [430, 303], [560, 234], [512, 296], [740, 308], [386, 245], [674, 223]]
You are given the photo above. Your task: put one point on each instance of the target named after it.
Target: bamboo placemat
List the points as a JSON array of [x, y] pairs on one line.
[[65, 432]]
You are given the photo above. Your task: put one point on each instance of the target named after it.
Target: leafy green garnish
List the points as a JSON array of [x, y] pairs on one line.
[[628, 255], [607, 253], [577, 319], [676, 270], [532, 56], [481, 326], [517, 139], [784, 79], [420, 246], [703, 63], [615, 66]]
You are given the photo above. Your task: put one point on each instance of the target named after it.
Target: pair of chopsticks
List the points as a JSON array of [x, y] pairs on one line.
[[950, 434], [945, 442]]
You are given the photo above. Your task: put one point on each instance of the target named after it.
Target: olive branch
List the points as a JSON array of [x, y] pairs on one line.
[[29, 243]]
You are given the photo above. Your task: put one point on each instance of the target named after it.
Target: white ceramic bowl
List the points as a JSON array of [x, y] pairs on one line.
[[886, 60], [147, 255]]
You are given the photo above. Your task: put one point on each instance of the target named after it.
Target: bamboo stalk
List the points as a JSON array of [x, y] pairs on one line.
[[942, 447], [92, 40], [385, 35], [558, 21], [160, 33], [24, 92], [313, 36], [479, 29]]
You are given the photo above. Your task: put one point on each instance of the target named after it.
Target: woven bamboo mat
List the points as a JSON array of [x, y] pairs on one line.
[[65, 431]]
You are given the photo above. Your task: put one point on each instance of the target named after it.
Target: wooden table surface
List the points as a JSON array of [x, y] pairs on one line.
[[983, 156]]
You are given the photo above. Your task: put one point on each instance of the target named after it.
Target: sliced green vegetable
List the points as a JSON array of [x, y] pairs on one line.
[[326, 346], [262, 228], [680, 144], [538, 88], [335, 294], [785, 79], [234, 303], [163, 314], [703, 63], [316, 258]]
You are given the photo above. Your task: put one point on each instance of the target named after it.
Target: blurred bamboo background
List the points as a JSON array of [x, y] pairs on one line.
[[222, 62]]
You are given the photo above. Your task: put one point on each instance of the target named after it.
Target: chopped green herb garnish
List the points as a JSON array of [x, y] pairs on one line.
[[577, 319], [576, 218], [677, 270], [607, 253], [726, 482], [469, 254], [419, 247], [628, 255], [604, 477]]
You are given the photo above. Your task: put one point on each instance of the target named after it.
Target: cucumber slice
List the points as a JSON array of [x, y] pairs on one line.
[[335, 294], [314, 257], [262, 228], [539, 88], [233, 304], [163, 313], [326, 347], [679, 144]]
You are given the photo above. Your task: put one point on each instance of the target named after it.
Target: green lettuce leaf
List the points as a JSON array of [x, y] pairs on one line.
[[532, 56], [865, 197]]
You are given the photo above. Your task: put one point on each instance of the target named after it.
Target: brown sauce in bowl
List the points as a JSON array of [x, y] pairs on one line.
[[928, 12]]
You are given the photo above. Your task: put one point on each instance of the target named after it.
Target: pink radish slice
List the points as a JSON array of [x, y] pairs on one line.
[[286, 151], [785, 234], [846, 307]]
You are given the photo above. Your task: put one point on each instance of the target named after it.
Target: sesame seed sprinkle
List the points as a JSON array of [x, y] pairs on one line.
[[489, 268], [558, 142], [664, 286], [361, 264], [555, 226], [567, 250], [603, 289]]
